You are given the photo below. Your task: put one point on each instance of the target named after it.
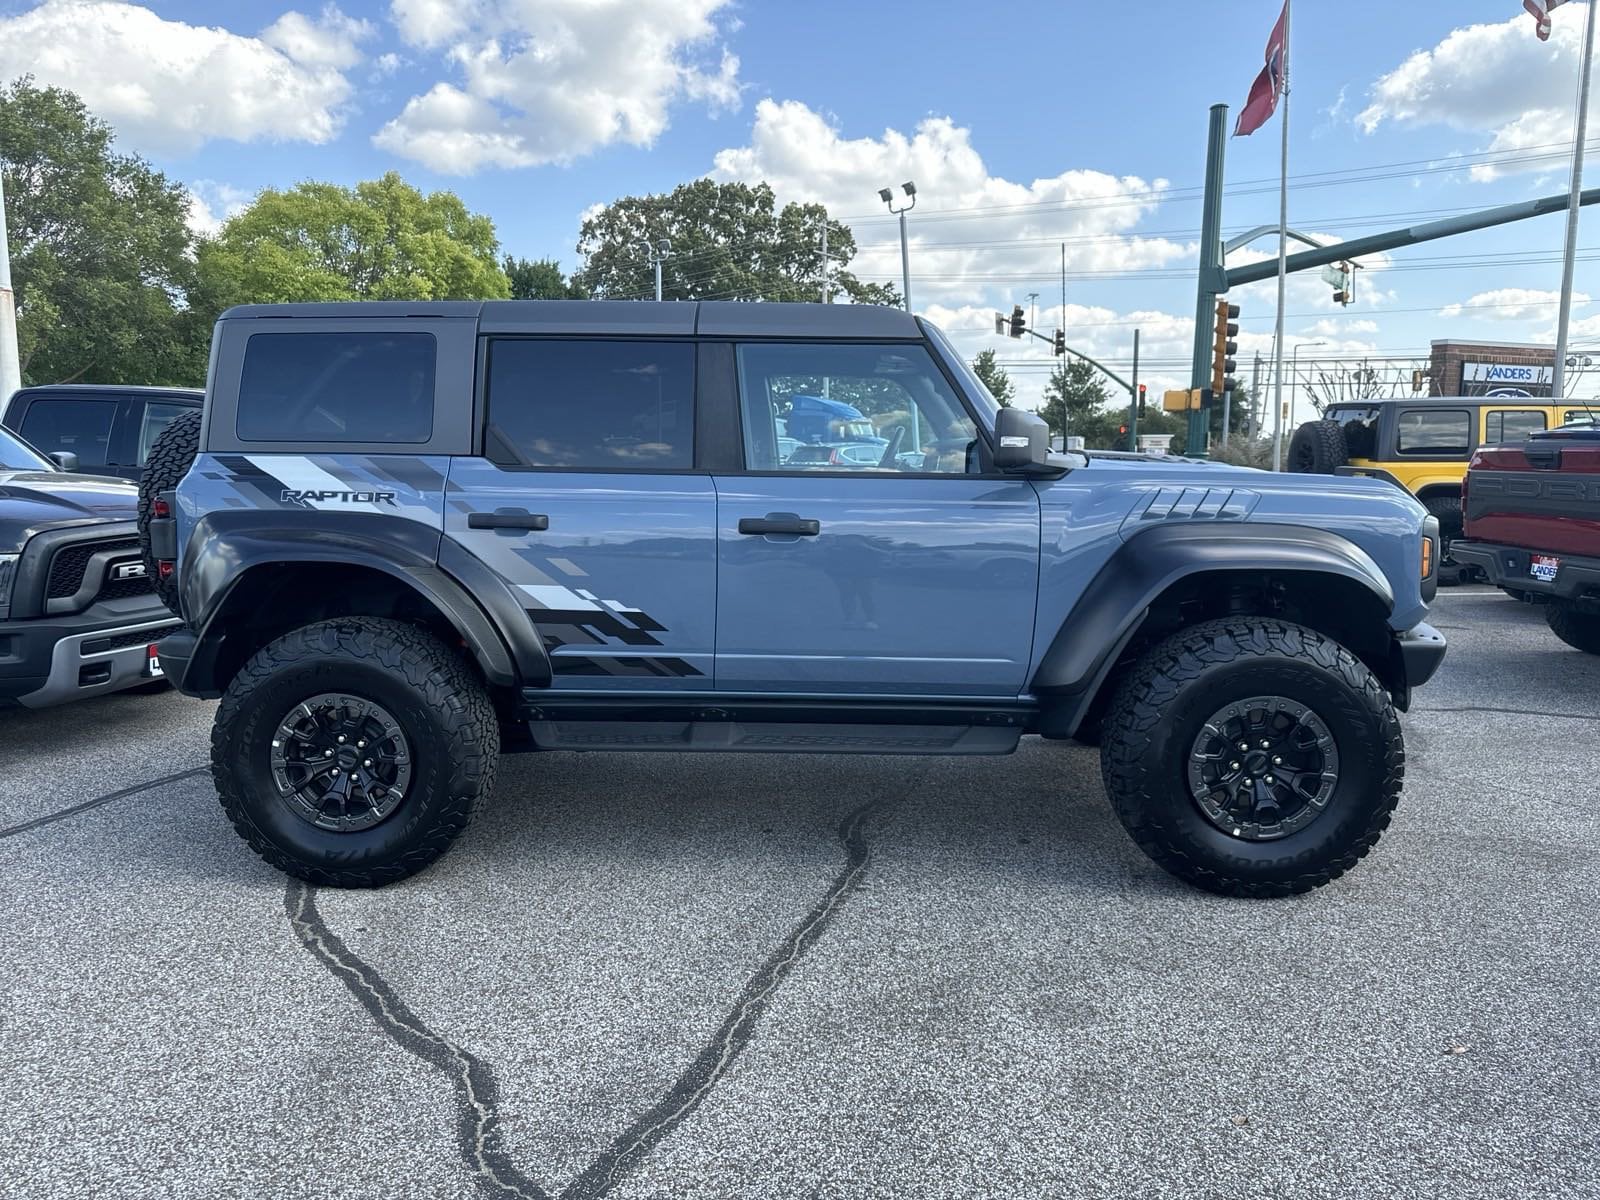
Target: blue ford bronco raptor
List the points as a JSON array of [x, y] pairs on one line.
[[407, 537]]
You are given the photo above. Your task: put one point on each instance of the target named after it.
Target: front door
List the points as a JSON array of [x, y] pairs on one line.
[[862, 551], [586, 501]]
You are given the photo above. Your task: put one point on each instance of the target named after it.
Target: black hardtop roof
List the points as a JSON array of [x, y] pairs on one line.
[[122, 389], [1454, 402], [717, 318]]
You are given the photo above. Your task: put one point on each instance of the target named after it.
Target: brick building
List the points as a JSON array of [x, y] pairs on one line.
[[1458, 368]]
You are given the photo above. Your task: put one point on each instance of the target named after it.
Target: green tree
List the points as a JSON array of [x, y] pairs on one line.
[[729, 242], [380, 240], [540, 279], [100, 249], [1073, 397], [994, 378]]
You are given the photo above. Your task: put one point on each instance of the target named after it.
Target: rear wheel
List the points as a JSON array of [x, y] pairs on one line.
[[1318, 447], [1579, 630], [1252, 757], [353, 752], [1448, 511], [169, 461]]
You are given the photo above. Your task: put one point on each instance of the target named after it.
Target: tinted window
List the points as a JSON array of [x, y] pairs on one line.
[[17, 456], [1512, 426], [157, 416], [1441, 433], [1360, 429], [82, 427], [337, 387], [852, 407], [591, 404]]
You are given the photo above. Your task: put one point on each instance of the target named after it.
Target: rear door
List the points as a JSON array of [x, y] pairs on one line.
[[87, 425], [894, 568], [588, 500]]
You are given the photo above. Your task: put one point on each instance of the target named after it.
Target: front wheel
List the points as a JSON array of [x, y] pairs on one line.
[[353, 752], [1252, 757]]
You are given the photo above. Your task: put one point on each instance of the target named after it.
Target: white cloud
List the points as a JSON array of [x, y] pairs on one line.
[[167, 85], [1510, 304], [1498, 80], [546, 81], [386, 64], [971, 231], [211, 203]]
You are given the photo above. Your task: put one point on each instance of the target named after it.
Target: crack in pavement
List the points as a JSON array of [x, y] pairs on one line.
[[122, 794], [478, 1124], [1505, 712]]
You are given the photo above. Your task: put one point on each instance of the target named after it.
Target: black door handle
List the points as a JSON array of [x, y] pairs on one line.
[[508, 520], [780, 523]]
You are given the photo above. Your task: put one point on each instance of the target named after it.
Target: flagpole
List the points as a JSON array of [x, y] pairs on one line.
[[1558, 380], [1283, 248]]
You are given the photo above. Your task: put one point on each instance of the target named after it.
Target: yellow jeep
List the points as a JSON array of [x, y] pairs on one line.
[[1424, 445]]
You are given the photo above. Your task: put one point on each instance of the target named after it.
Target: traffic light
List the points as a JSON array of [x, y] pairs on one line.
[[1416, 381], [1019, 322], [1345, 294], [1061, 343], [1222, 362], [1141, 399], [1122, 430]]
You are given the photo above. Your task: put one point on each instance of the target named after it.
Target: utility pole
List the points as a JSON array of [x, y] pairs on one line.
[[1063, 368], [10, 364], [1283, 245], [1033, 310], [1253, 425], [1558, 378], [658, 254], [1213, 276], [824, 260]]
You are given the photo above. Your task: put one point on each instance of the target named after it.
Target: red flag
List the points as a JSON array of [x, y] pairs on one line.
[[1264, 92]]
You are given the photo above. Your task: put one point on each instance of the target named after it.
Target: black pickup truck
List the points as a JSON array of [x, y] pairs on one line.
[[77, 613]]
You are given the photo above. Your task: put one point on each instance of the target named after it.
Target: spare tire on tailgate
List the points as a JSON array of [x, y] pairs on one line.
[[1317, 448], [169, 462]]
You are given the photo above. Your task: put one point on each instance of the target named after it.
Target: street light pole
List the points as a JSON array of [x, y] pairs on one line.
[[887, 196], [1558, 377], [10, 363], [1294, 371]]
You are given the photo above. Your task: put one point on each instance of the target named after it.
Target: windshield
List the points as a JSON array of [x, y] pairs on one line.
[[17, 455], [988, 406]]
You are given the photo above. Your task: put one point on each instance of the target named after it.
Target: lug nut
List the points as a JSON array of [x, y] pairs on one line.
[[361, 745], [1265, 744], [1244, 745], [1270, 779], [1276, 761], [1233, 766], [366, 762], [341, 740], [336, 770]]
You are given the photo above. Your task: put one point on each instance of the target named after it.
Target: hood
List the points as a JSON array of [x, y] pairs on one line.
[[33, 501]]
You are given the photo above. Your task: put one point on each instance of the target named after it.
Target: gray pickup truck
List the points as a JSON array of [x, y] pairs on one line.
[[405, 537], [78, 616]]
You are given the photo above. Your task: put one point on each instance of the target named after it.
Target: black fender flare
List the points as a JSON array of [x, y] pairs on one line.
[[1114, 606], [226, 545]]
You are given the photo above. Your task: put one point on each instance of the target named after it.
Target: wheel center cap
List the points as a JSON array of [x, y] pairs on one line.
[[346, 756], [1257, 762]]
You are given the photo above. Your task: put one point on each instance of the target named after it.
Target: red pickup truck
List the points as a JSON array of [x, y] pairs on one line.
[[1533, 526]]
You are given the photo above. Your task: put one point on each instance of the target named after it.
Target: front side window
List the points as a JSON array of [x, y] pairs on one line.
[[852, 407], [1436, 433], [1512, 426], [591, 404], [81, 427], [337, 387]]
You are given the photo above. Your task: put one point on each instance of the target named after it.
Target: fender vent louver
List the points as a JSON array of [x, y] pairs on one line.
[[1198, 504]]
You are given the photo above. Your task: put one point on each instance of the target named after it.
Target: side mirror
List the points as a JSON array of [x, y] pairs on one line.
[[1021, 442], [65, 459]]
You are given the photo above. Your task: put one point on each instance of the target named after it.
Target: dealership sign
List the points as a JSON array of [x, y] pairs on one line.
[[1497, 374]]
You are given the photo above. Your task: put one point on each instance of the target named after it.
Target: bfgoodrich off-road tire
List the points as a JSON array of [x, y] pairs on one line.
[[1157, 723], [1579, 630], [1317, 447], [169, 462], [434, 709]]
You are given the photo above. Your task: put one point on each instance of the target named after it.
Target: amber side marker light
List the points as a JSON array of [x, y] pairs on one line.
[[1427, 557]]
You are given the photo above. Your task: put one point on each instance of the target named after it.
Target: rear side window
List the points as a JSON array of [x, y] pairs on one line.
[[1512, 426], [81, 427], [1436, 433], [337, 387], [157, 416], [591, 405]]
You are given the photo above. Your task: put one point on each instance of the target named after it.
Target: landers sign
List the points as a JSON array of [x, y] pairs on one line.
[[1500, 379]]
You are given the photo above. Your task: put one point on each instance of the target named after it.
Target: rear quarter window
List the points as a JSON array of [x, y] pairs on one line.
[[337, 387], [1436, 433]]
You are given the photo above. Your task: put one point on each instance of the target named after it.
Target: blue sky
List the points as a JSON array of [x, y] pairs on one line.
[[1022, 125]]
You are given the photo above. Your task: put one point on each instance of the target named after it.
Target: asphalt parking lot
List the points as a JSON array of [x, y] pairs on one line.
[[701, 976]]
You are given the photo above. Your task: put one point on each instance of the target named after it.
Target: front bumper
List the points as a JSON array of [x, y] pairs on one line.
[[1417, 653], [52, 660], [1577, 581]]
